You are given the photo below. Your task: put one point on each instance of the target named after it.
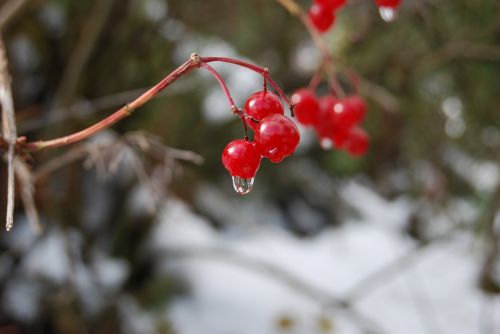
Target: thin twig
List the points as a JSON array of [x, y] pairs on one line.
[[26, 182], [89, 107], [222, 84], [9, 132], [118, 115]]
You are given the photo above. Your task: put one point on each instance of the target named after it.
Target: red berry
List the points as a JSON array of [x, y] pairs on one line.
[[321, 17], [326, 118], [346, 114], [388, 3], [306, 106], [357, 141], [332, 4], [336, 4], [260, 105], [331, 128], [359, 107], [241, 158], [277, 137]]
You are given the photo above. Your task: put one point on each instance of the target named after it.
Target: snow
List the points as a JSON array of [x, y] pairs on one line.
[[50, 246], [233, 289]]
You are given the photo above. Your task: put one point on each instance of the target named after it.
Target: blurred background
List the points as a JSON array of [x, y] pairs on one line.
[[141, 231]]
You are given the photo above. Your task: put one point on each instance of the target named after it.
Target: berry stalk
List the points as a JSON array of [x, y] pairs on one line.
[[127, 110], [295, 10], [193, 62], [260, 70]]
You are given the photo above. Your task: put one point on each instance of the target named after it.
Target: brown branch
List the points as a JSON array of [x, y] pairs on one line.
[[127, 110], [456, 50], [9, 10], [82, 52], [88, 107]]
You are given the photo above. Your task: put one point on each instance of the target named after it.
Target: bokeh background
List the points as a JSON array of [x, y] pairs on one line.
[[139, 236]]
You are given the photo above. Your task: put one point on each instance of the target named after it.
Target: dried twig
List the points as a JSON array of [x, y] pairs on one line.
[[25, 179], [9, 132]]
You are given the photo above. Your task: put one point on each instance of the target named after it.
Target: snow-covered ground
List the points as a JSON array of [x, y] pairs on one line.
[[249, 282]]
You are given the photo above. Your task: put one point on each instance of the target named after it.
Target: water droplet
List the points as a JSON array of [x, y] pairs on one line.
[[326, 143], [242, 186], [388, 14]]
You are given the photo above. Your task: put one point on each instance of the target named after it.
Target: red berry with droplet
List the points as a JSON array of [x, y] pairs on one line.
[[306, 106], [388, 3], [241, 158], [277, 137], [357, 141], [260, 105], [321, 17]]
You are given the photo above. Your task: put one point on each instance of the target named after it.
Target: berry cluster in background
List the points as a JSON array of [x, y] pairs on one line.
[[322, 12], [275, 138], [335, 120]]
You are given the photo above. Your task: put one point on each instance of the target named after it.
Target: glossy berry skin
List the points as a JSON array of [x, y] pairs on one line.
[[277, 137], [332, 4], [346, 114], [359, 107], [241, 158], [306, 106], [357, 142], [388, 3], [321, 17], [325, 124], [260, 105]]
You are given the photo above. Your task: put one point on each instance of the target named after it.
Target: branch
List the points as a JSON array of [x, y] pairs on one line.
[[127, 110], [9, 132], [26, 182], [459, 49], [81, 54], [10, 10]]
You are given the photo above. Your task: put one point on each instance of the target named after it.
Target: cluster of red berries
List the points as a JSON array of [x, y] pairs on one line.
[[322, 12], [275, 137], [335, 120]]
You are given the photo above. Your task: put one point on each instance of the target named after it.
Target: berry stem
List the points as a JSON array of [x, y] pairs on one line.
[[264, 85], [260, 70], [255, 68], [222, 84], [316, 78], [296, 10]]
